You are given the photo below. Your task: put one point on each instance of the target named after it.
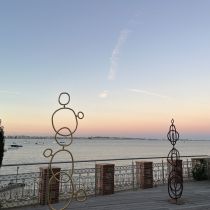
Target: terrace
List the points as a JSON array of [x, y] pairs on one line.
[[22, 189]]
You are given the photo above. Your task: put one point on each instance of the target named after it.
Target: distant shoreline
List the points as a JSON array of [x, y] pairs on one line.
[[97, 138]]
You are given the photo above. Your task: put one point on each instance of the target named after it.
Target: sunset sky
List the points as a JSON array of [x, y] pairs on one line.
[[129, 65]]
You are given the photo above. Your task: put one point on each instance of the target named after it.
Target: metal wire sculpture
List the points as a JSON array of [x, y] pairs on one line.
[[64, 132], [175, 180]]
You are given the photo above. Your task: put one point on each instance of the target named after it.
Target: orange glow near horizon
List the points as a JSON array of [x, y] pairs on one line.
[[114, 125]]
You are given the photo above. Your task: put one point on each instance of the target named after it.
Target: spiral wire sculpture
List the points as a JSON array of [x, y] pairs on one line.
[[175, 181], [64, 132]]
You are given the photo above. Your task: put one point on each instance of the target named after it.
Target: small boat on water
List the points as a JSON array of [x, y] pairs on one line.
[[15, 145]]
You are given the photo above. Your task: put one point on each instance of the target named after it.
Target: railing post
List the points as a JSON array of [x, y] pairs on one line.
[[95, 179], [133, 177], [34, 194], [61, 185], [23, 181], [79, 180], [17, 174], [163, 176], [188, 172], [16, 194]]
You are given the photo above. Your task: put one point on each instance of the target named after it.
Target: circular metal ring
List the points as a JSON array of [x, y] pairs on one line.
[[70, 197], [80, 115], [57, 130], [46, 151], [68, 98], [173, 156], [72, 162], [175, 185], [69, 135], [81, 195]]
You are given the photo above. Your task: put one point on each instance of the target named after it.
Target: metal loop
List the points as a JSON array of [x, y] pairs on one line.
[[61, 95]]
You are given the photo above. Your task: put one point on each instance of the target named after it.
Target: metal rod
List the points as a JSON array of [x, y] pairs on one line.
[[163, 172]]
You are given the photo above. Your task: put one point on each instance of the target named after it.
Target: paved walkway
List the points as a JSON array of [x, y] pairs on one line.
[[196, 196]]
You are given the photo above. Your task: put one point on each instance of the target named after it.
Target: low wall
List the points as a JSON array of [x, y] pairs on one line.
[[124, 177]]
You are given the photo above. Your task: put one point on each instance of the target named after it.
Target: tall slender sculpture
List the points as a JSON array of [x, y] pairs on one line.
[[67, 133], [175, 180], [1, 143]]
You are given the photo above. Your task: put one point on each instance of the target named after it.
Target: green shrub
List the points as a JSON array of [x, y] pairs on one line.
[[1, 145], [199, 172]]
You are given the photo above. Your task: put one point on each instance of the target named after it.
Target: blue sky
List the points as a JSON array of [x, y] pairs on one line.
[[129, 65]]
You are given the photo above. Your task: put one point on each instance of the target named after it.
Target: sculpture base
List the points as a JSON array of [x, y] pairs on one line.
[[179, 201]]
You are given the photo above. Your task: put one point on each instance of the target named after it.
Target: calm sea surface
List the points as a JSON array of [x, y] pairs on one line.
[[92, 149]]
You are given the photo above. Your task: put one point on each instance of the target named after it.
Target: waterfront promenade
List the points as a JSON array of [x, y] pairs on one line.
[[196, 196]]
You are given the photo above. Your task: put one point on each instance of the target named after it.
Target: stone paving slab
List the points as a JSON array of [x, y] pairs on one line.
[[196, 196]]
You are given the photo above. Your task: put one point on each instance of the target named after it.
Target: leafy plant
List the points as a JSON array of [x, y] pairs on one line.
[[1, 145], [199, 171]]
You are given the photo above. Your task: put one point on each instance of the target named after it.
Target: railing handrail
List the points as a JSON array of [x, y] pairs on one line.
[[99, 160]]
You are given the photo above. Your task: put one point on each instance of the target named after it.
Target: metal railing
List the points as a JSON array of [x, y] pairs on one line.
[[21, 189]]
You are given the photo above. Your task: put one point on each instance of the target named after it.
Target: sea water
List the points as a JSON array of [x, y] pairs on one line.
[[93, 149]]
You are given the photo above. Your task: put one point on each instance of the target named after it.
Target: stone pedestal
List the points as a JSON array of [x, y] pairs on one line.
[[104, 179], [47, 189], [144, 174]]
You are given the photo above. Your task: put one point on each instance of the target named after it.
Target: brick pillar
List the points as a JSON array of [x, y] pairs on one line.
[[104, 179], [144, 174], [208, 166], [48, 189]]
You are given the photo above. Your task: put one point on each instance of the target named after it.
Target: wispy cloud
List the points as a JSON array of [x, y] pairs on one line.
[[116, 52], [148, 93], [9, 92], [103, 94]]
